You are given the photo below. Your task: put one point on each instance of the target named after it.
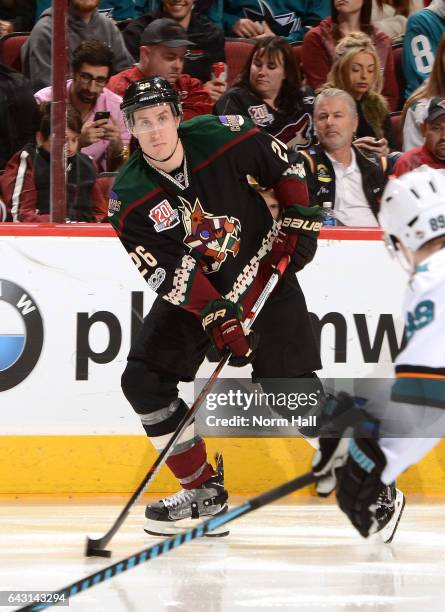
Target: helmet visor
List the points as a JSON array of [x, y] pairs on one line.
[[154, 117]]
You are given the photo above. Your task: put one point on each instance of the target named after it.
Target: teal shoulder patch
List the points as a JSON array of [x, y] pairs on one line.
[[419, 391]]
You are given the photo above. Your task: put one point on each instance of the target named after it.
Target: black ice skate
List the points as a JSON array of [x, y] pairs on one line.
[[391, 502], [178, 512]]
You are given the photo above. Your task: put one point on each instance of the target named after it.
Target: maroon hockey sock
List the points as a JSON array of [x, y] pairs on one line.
[[191, 467]]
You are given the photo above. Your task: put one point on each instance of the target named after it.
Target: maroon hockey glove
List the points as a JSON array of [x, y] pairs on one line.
[[300, 227], [221, 319], [298, 235]]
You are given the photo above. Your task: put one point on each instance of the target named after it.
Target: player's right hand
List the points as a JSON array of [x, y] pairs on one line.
[[339, 416], [359, 485], [221, 319]]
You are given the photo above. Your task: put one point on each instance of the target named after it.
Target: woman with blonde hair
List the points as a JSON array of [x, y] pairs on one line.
[[417, 103], [319, 44], [356, 69]]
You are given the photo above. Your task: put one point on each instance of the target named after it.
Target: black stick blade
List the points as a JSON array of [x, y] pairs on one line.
[[93, 550]]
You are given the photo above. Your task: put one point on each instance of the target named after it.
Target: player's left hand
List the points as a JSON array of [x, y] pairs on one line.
[[300, 227], [335, 421]]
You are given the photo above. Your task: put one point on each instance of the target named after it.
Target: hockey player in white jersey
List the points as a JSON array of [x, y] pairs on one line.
[[399, 425]]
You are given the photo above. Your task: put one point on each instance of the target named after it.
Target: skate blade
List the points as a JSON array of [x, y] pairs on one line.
[[162, 528], [388, 532]]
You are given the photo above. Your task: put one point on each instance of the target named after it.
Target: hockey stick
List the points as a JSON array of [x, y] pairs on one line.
[[96, 547], [173, 542]]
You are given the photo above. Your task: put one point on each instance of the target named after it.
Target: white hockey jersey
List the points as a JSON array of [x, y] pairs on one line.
[[414, 421], [420, 367]]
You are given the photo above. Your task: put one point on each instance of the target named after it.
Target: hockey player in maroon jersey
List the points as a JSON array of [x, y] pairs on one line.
[[205, 241]]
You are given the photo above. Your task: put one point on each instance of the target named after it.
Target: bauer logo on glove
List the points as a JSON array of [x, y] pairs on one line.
[[295, 223], [302, 219], [221, 319]]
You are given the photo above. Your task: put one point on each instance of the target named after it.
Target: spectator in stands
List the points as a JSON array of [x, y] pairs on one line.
[[207, 37], [122, 9], [163, 46], [423, 33], [84, 23], [432, 152], [336, 170], [17, 112], [391, 16], [287, 18], [269, 91], [356, 69], [104, 139], [414, 109], [26, 181], [319, 45], [7, 16]]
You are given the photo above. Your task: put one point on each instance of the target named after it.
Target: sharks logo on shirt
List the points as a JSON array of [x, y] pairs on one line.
[[282, 25]]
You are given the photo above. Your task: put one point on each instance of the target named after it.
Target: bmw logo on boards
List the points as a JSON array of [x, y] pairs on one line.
[[21, 334]]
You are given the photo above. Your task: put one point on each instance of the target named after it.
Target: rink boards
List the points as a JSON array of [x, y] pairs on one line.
[[70, 302]]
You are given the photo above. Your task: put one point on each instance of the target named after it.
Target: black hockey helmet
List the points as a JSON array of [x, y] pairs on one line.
[[149, 92]]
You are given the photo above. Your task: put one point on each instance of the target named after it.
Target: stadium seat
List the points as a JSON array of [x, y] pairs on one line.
[[297, 48], [397, 52], [10, 46], [105, 181], [237, 52], [396, 126]]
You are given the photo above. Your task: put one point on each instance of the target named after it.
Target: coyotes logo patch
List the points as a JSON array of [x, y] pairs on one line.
[[209, 236], [297, 134]]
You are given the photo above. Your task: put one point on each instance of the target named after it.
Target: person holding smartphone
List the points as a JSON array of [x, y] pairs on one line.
[[104, 136]]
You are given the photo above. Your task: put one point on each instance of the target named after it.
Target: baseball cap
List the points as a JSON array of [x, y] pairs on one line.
[[167, 32], [436, 109]]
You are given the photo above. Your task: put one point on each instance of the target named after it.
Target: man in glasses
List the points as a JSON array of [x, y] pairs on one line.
[[104, 136]]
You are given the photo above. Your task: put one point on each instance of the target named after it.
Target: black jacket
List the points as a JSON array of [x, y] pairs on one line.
[[294, 128], [18, 113], [320, 176], [26, 185], [208, 38]]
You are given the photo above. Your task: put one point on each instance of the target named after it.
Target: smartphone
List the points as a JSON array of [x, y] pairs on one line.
[[101, 115]]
